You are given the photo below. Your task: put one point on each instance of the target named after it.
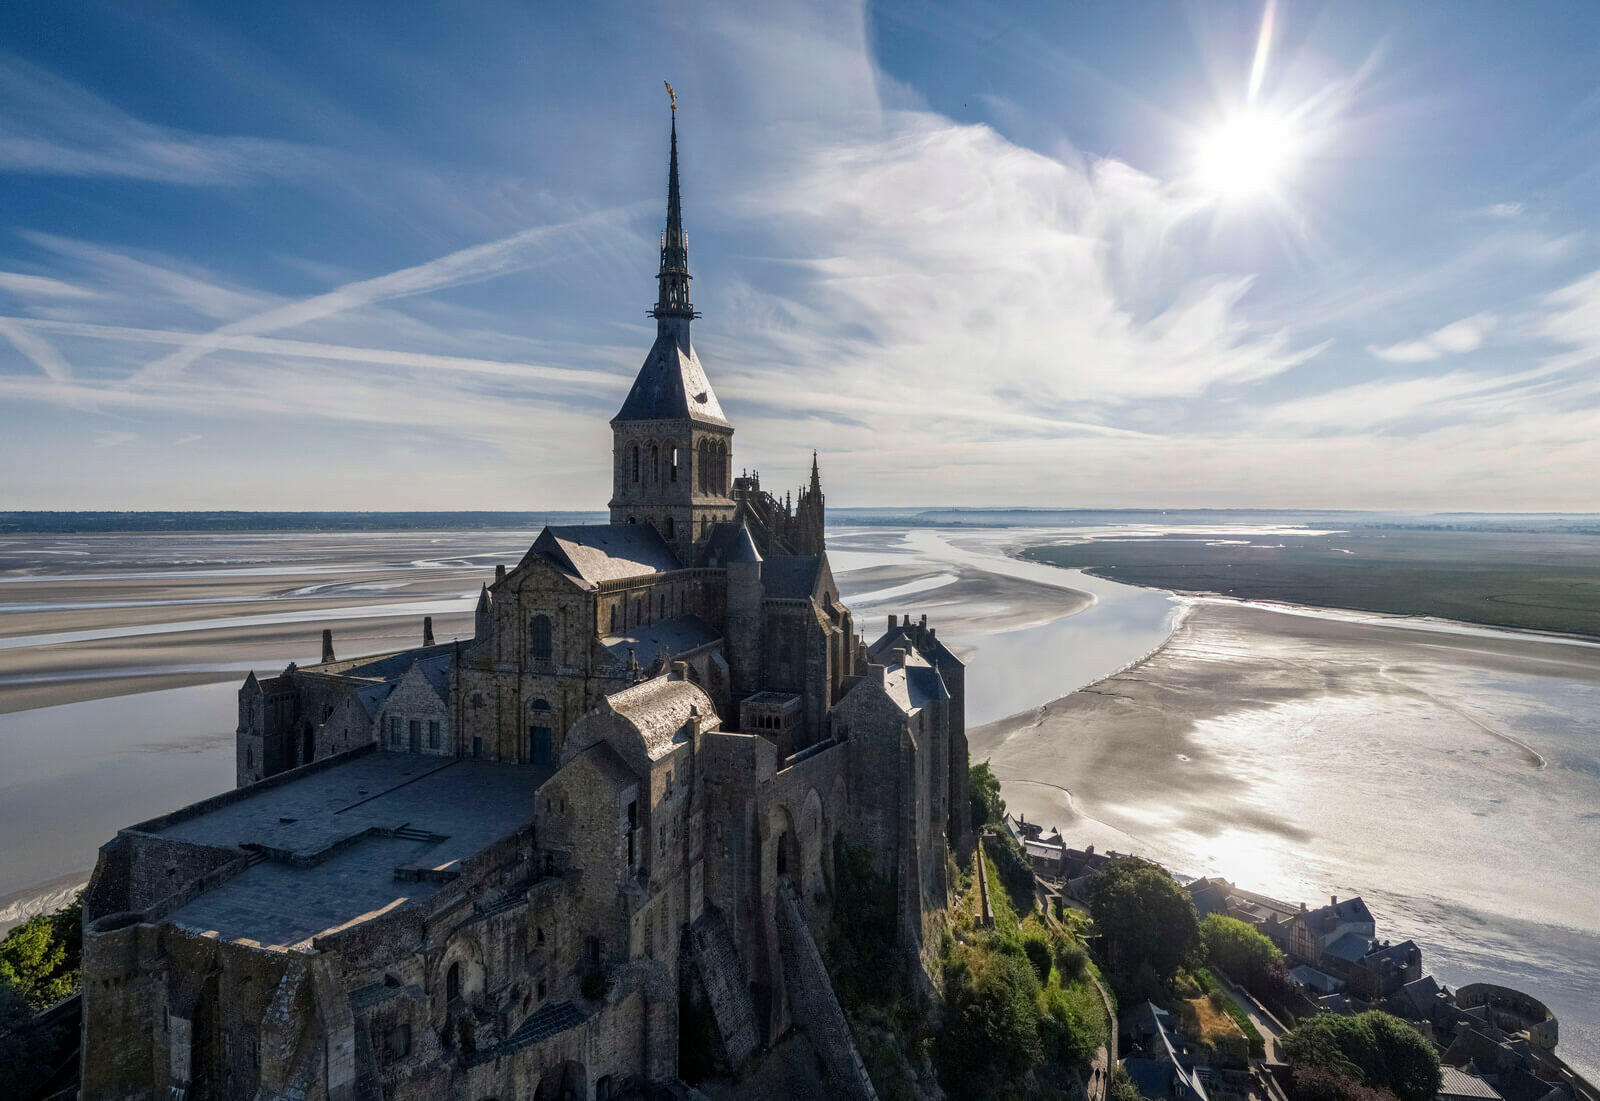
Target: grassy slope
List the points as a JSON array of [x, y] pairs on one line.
[[1538, 582]]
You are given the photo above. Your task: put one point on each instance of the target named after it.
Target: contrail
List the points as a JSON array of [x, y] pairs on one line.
[[1258, 67]]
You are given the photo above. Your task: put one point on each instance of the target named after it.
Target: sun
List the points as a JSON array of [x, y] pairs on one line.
[[1245, 155]]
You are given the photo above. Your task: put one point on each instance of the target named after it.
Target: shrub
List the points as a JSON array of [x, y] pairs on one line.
[[1122, 1087], [1312, 1084], [1037, 947], [1070, 958], [1238, 951], [991, 1031], [1373, 1049]]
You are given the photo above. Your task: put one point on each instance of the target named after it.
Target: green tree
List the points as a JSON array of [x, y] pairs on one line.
[[1373, 1048], [991, 1030], [1122, 1087], [1016, 874], [1238, 950], [40, 958], [988, 809], [1147, 921]]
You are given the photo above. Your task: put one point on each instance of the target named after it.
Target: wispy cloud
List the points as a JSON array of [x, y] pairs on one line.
[[38, 286], [1466, 335]]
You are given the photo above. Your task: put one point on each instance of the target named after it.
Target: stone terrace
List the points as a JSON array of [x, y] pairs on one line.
[[351, 842]]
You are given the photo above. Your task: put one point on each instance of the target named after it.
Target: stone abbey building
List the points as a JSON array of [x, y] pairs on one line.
[[542, 862]]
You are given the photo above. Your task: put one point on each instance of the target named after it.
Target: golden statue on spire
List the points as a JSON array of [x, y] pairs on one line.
[[673, 96]]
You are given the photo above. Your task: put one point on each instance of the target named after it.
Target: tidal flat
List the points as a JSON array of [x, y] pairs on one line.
[[1449, 775]]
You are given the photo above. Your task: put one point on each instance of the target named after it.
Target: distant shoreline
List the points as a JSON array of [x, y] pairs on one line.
[[201, 521]]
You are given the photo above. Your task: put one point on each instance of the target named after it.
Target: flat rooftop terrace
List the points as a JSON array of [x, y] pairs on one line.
[[350, 843]]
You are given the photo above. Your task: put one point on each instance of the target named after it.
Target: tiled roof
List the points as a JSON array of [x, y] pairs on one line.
[[1458, 1083]]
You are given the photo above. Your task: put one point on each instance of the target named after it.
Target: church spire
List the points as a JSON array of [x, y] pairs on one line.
[[672, 301]]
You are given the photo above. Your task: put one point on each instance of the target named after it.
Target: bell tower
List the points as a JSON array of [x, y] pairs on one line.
[[672, 449]]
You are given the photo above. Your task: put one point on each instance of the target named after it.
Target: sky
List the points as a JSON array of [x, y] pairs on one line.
[[398, 256]]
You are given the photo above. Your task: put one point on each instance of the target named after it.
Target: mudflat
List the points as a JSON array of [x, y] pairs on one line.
[[1448, 774]]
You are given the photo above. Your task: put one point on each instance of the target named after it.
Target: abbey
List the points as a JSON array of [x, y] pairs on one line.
[[546, 861]]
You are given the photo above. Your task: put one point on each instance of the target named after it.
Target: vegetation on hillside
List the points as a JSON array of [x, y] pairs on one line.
[[1014, 1012], [39, 965], [40, 958], [1374, 1049], [1147, 927]]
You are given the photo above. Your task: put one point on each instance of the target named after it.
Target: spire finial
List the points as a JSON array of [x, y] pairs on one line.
[[672, 301]]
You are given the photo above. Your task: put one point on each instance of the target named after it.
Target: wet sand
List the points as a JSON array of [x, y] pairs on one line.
[[1449, 778]]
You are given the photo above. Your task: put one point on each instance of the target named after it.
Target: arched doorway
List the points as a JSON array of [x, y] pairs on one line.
[[568, 1082]]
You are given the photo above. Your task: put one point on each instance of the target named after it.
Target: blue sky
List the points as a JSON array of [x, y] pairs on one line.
[[394, 256]]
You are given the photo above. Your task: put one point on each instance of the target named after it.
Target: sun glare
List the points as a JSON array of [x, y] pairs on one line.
[[1245, 155]]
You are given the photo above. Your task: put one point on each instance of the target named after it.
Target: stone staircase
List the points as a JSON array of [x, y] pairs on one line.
[[717, 961], [816, 1008]]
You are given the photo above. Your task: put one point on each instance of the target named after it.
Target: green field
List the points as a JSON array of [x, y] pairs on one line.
[[1546, 582]]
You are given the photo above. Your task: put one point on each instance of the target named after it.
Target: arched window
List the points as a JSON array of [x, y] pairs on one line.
[[540, 704], [722, 469], [539, 638], [703, 479], [631, 520], [452, 983], [655, 464], [635, 452], [672, 459]]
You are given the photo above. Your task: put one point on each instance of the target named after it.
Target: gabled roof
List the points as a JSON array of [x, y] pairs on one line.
[[606, 552], [671, 386]]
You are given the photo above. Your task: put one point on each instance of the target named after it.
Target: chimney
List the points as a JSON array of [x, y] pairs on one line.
[[680, 670], [893, 622], [900, 656], [499, 573], [327, 645], [924, 623], [427, 630], [1302, 907], [1333, 900], [878, 674]]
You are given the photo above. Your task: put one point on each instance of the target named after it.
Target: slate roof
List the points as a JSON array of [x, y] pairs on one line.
[[1350, 947], [606, 552], [1350, 909], [671, 386], [790, 576], [1458, 1083], [680, 634], [729, 543]]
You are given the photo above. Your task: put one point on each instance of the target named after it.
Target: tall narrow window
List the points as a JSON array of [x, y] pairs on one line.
[[433, 733], [635, 453], [539, 638], [667, 528], [655, 464], [452, 983], [613, 619], [672, 460], [633, 833]]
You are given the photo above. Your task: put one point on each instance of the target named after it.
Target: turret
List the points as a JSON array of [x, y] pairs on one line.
[[482, 622], [745, 596]]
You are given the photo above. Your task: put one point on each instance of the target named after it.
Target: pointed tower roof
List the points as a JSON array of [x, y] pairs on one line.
[[672, 299], [672, 385]]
